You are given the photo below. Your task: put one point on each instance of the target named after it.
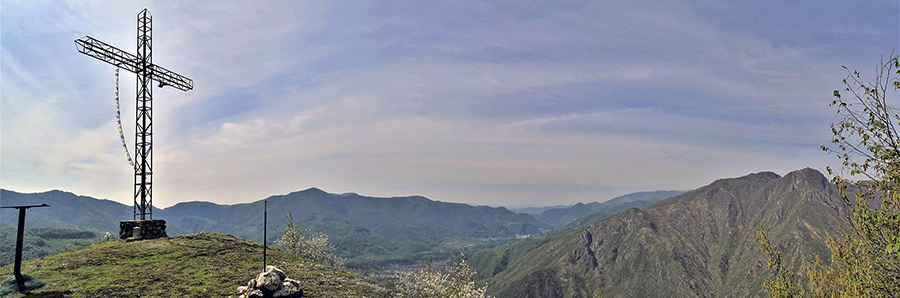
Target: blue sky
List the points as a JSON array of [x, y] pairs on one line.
[[491, 103]]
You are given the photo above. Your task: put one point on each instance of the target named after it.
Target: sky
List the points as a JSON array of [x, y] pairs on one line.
[[512, 103]]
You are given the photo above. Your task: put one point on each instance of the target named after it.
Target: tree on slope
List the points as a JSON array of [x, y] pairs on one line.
[[866, 261]]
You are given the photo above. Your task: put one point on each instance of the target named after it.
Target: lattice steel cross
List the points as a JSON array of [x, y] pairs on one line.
[[142, 65]]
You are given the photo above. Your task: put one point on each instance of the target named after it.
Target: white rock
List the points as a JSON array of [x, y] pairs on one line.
[[292, 286], [272, 282], [269, 282], [281, 275]]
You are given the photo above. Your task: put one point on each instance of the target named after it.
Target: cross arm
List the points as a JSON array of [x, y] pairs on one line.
[[26, 206], [104, 52], [170, 78]]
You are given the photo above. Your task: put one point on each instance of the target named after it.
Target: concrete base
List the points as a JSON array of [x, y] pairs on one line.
[[150, 229]]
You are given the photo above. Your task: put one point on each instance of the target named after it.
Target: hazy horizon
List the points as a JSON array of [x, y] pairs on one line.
[[486, 103], [513, 206]]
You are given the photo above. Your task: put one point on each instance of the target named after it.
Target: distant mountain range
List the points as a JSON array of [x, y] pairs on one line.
[[66, 210], [563, 216], [536, 210], [367, 231], [699, 243]]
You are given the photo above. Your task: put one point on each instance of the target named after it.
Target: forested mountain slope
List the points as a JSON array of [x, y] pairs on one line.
[[367, 231], [697, 244]]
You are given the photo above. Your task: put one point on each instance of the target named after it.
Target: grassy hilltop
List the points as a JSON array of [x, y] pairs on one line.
[[198, 265]]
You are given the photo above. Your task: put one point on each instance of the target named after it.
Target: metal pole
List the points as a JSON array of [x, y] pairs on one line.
[[20, 236], [265, 218], [20, 280]]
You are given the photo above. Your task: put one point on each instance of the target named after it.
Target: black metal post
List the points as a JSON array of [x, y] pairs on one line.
[[20, 236], [20, 280], [265, 219]]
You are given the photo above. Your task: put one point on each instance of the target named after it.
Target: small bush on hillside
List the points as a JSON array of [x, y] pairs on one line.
[[315, 248]]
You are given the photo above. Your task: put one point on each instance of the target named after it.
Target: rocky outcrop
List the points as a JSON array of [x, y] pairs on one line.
[[271, 283], [583, 255]]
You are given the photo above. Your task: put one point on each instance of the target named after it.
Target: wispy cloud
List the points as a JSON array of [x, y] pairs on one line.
[[484, 103], [857, 31]]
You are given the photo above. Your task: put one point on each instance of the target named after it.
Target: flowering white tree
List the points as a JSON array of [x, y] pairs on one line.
[[315, 248], [460, 281]]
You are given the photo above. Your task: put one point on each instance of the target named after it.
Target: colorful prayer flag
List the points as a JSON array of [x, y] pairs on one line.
[[119, 122]]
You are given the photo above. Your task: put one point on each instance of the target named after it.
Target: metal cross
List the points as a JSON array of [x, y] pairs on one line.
[[142, 65]]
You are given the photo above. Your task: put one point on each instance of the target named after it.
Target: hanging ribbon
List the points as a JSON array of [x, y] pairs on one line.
[[119, 121]]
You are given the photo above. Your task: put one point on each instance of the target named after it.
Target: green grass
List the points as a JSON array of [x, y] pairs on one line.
[[199, 265]]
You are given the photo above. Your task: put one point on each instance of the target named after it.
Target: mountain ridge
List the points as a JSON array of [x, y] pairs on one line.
[[419, 228], [582, 214], [699, 243]]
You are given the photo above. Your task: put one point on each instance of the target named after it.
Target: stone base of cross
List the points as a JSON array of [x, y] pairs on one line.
[[142, 229]]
